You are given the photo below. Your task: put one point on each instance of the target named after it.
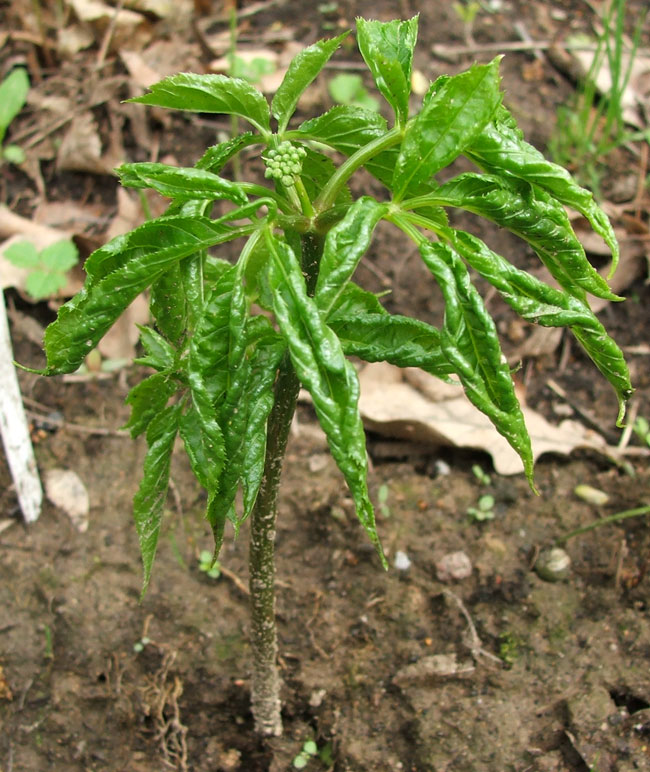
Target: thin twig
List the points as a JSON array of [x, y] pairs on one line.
[[475, 645], [234, 579], [59, 423]]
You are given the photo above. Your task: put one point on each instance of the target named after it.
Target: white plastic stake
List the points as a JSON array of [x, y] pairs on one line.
[[15, 432]]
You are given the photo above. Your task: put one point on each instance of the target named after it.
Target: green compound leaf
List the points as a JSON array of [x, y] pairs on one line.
[[182, 184], [301, 72], [159, 354], [535, 216], [387, 48], [322, 368], [147, 400], [116, 274], [502, 149], [470, 342], [210, 94], [345, 245], [399, 340], [448, 122], [149, 501], [540, 304], [13, 93]]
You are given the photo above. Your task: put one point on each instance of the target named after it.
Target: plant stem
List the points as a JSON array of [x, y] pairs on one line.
[[265, 688]]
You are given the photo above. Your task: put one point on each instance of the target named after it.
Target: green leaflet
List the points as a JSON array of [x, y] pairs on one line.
[[354, 301], [532, 214], [149, 501], [387, 48], [260, 397], [540, 304], [217, 156], [180, 183], [301, 72], [159, 353], [345, 128], [323, 370], [501, 148], [117, 274], [345, 245], [210, 94], [400, 340], [204, 450], [13, 93], [470, 342], [446, 125], [168, 306], [147, 400]]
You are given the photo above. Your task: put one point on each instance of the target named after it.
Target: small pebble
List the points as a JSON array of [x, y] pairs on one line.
[[553, 565], [453, 566], [402, 561], [591, 495]]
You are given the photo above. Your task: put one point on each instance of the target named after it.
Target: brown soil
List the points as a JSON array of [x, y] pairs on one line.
[[540, 676]]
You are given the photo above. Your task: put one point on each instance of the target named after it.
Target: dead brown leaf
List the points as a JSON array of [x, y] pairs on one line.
[[392, 406]]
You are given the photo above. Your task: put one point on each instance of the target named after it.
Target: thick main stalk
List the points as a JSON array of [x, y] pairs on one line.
[[265, 688]]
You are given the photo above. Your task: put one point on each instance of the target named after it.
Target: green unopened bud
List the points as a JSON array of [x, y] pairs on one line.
[[284, 163]]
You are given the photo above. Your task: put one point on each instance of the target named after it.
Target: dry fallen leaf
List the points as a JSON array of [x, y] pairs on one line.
[[391, 406], [65, 490], [81, 148]]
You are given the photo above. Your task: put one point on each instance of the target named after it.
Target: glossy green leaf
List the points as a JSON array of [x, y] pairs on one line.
[[345, 245], [301, 72], [180, 183], [147, 400], [217, 156], [446, 125], [149, 501], [116, 274], [210, 94], [547, 306], [322, 368], [470, 342], [502, 149], [205, 455], [168, 306], [13, 93], [530, 212], [399, 340], [159, 354], [345, 128], [387, 48], [353, 301], [259, 397]]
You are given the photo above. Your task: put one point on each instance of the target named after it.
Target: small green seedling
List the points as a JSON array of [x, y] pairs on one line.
[[484, 509], [347, 89], [481, 475], [47, 268], [382, 499], [252, 70], [13, 93], [235, 337], [139, 646], [641, 428], [208, 565], [467, 11], [308, 752]]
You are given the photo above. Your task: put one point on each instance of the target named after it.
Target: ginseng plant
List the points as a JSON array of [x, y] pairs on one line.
[[232, 342]]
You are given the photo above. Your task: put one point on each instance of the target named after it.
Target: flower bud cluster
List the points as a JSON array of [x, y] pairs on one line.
[[285, 163]]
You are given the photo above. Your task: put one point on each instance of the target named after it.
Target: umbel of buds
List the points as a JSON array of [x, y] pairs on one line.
[[285, 163]]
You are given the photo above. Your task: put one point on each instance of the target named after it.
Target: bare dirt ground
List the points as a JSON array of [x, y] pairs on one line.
[[401, 670]]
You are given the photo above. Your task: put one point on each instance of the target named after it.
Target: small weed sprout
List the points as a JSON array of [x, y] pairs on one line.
[[481, 475], [208, 565], [47, 268], [233, 341], [140, 645], [382, 499], [484, 509], [347, 88], [13, 94], [308, 752], [641, 428]]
